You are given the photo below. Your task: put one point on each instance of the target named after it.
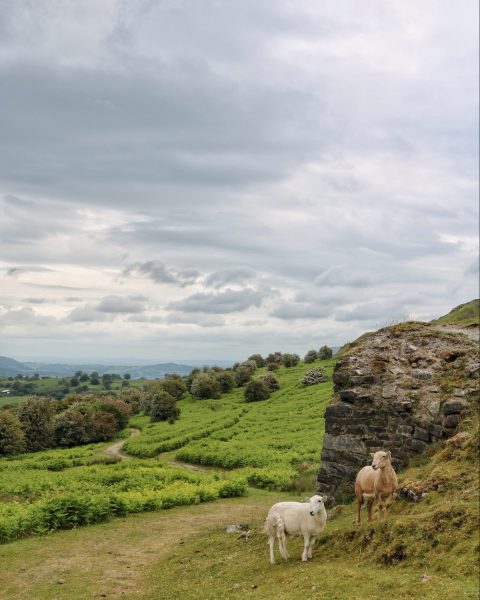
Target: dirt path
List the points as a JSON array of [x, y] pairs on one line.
[[115, 559], [116, 449], [189, 466]]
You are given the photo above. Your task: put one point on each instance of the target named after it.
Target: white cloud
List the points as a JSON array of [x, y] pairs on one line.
[[204, 178]]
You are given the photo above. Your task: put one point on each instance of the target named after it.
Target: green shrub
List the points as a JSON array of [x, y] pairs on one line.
[[12, 438], [325, 352], [291, 360], [227, 380], [205, 386], [163, 407], [256, 390], [271, 381], [310, 357]]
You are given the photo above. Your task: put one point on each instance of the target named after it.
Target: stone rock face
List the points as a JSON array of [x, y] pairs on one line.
[[398, 389]]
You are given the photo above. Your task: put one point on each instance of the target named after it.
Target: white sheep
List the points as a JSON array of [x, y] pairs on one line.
[[295, 518]]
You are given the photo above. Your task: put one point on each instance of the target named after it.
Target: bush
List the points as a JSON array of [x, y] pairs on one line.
[[174, 386], [70, 428], [227, 380], [205, 386], [258, 359], [325, 352], [12, 438], [310, 357], [291, 360], [35, 415], [272, 366], [256, 390], [102, 426], [271, 381], [163, 407], [242, 375], [119, 409], [314, 376], [274, 357]]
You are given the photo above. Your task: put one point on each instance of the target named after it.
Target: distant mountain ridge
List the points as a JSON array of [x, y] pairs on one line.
[[12, 367]]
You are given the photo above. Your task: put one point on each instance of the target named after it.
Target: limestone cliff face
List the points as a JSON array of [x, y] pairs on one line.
[[398, 389]]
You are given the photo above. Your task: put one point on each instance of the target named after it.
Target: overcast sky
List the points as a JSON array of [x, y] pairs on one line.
[[211, 178]]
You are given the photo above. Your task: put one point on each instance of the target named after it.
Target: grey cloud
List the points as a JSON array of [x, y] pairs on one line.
[[372, 311], [195, 319], [157, 271], [35, 300], [118, 304], [290, 311], [229, 301], [225, 277], [16, 271], [87, 313]]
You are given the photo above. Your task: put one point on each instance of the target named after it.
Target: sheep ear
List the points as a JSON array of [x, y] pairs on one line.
[[389, 454], [372, 454]]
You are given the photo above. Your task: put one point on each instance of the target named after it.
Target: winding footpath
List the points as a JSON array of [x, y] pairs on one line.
[[115, 450]]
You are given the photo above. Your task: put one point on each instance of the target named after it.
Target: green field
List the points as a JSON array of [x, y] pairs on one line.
[[51, 385], [464, 315]]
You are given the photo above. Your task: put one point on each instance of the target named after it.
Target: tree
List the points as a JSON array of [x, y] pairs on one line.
[[127, 376], [205, 386], [74, 381], [256, 390], [227, 380], [259, 360], [83, 377], [163, 407], [271, 381], [107, 380], [291, 360], [310, 357], [119, 409], [12, 438], [35, 414], [94, 378], [102, 426], [325, 352], [70, 428], [176, 387]]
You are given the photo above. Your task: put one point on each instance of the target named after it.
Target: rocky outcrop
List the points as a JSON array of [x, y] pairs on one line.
[[398, 389]]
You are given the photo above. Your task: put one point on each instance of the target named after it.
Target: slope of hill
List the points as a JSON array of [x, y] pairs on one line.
[[11, 367], [464, 314]]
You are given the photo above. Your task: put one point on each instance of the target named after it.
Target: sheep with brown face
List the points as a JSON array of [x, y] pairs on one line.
[[377, 482]]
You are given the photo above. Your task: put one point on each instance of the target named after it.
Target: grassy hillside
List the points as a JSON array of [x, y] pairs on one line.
[[464, 314], [270, 444], [427, 550]]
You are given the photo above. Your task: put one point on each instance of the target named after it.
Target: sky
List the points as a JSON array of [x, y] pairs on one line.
[[208, 179]]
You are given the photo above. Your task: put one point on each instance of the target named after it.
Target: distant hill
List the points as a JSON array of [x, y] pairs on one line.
[[464, 314], [11, 367]]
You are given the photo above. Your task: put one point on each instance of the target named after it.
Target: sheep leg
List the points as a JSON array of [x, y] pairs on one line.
[[282, 544], [369, 509], [310, 547], [271, 543], [306, 545], [359, 508], [388, 504]]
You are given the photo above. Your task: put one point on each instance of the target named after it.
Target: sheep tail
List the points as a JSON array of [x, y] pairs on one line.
[[274, 525]]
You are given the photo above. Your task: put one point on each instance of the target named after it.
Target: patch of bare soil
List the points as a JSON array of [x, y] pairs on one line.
[[116, 449]]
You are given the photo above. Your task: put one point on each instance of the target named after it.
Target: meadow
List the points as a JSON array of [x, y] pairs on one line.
[[269, 444]]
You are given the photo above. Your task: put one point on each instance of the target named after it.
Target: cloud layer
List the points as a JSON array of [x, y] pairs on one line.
[[206, 180]]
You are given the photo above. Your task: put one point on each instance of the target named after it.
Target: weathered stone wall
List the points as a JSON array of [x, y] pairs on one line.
[[398, 389]]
